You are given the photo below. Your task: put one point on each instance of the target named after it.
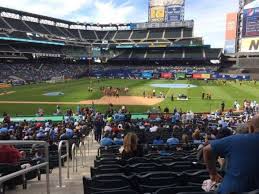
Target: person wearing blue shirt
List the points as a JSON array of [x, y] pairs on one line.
[[69, 133], [40, 134], [173, 141], [118, 140], [158, 141], [241, 152], [106, 140], [3, 130]]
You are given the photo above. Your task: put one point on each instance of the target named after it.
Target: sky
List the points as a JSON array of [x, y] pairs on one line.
[[209, 15]]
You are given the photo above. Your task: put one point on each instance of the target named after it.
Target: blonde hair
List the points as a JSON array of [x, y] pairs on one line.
[[130, 142], [196, 134]]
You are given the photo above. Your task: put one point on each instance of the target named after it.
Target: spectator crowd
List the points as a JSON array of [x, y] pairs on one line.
[[230, 139]]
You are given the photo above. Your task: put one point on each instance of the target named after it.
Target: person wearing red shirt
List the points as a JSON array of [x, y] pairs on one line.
[[8, 153]]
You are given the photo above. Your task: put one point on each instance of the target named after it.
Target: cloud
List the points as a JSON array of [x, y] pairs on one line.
[[105, 12], [210, 19], [54, 8], [208, 15]]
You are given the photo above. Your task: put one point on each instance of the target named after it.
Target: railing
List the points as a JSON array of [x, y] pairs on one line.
[[29, 169], [82, 150], [74, 157], [60, 157]]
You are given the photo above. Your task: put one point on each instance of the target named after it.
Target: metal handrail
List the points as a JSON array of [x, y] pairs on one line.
[[29, 169], [82, 150], [74, 156], [60, 156]]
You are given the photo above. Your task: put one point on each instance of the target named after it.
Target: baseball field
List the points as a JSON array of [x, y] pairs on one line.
[[25, 100]]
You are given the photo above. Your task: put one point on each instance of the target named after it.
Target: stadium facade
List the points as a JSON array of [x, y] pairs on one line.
[[27, 36]]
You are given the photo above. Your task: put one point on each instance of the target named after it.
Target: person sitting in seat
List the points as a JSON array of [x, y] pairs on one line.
[[106, 140], [118, 140], [173, 140], [153, 128], [196, 137], [242, 173], [8, 153], [131, 147], [107, 127], [185, 139], [158, 140]]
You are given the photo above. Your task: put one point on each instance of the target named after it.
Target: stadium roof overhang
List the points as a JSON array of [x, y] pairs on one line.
[[186, 23]]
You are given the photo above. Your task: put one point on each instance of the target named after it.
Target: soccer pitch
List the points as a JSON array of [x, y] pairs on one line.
[[25, 100]]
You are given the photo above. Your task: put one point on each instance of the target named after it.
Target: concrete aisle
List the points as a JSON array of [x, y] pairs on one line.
[[72, 186]]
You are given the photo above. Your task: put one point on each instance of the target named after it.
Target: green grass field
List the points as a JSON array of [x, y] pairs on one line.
[[76, 90]]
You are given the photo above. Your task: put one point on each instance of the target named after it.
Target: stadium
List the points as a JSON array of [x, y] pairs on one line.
[[128, 108]]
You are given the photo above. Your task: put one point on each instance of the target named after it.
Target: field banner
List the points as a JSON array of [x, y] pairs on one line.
[[251, 22], [36, 119], [249, 45], [174, 13], [157, 14], [147, 75], [166, 75], [180, 75], [200, 76]]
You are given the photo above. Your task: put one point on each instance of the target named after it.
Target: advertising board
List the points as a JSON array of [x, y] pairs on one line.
[[200, 76], [180, 75], [157, 14], [167, 75], [249, 45], [251, 22], [174, 13], [231, 26], [147, 74]]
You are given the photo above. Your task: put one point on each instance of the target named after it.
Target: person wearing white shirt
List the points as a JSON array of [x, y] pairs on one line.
[[153, 129], [107, 128]]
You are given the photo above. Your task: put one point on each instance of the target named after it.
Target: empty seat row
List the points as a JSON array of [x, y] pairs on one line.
[[28, 26], [145, 183]]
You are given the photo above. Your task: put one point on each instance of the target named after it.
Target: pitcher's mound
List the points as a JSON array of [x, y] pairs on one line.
[[125, 100]]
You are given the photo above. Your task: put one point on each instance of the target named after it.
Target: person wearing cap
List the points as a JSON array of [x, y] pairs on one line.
[[242, 172]]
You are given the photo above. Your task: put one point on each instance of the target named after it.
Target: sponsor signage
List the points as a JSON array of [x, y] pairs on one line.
[[157, 14], [231, 26], [250, 45], [251, 22], [174, 13], [166, 75], [200, 76]]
